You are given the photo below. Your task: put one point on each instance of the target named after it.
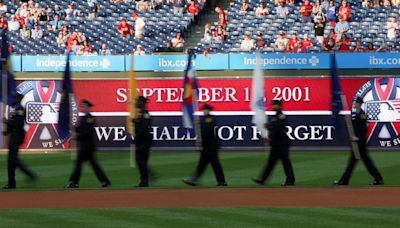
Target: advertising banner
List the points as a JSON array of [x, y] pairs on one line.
[[368, 60], [78, 63], [306, 102]]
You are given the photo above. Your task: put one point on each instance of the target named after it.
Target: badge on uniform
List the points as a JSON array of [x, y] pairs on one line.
[[209, 120], [281, 117], [90, 120]]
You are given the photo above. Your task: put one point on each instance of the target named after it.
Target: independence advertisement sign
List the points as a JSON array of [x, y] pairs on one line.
[[306, 103], [77, 63]]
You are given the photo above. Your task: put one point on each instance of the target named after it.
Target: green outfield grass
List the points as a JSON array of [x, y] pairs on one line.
[[204, 217], [312, 169]]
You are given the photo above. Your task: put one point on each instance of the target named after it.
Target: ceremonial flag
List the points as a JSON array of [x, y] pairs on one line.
[[133, 94], [336, 94], [189, 103], [258, 98], [8, 86], [64, 114]]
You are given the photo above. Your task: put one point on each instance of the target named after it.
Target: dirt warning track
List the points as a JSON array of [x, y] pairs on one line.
[[226, 197]]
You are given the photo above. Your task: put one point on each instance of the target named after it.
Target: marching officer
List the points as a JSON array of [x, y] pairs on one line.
[[209, 150], [360, 136], [16, 133], [85, 135], [280, 143], [143, 141]]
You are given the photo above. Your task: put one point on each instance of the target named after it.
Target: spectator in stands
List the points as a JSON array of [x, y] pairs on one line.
[[75, 48], [43, 16], [329, 42], [317, 8], [104, 50], [178, 6], [281, 42], [341, 27], [245, 7], [13, 24], [3, 23], [262, 10], [382, 48], [60, 39], [94, 7], [207, 28], [366, 4], [344, 44], [178, 41], [125, 29], [392, 26], [31, 20], [31, 5], [260, 43], [320, 14], [332, 16], [358, 47], [25, 33], [72, 38], [37, 33], [142, 6], [3, 8], [305, 9], [325, 5], [155, 4], [20, 19], [247, 43], [344, 10], [139, 50], [61, 13], [396, 2], [193, 9], [306, 43], [55, 24], [293, 41], [221, 17], [23, 11], [282, 11], [139, 26], [219, 34], [71, 11], [50, 12], [387, 3], [81, 37], [207, 37], [86, 49], [319, 29]]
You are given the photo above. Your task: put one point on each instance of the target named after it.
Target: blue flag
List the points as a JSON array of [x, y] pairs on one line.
[[64, 114], [5, 72], [336, 93]]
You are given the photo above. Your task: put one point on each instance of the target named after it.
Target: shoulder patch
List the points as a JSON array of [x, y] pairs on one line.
[[146, 115], [209, 120], [363, 116], [20, 112], [90, 120]]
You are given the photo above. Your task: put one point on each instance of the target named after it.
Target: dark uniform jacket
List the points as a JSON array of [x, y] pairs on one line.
[[277, 129], [85, 129], [143, 124], [209, 139], [15, 125], [360, 126]]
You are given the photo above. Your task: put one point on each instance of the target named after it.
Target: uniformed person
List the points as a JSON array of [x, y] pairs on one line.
[[209, 150], [16, 133], [143, 141], [360, 136], [85, 135], [280, 143]]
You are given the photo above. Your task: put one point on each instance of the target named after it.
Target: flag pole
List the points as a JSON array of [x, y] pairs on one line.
[[5, 97], [350, 129], [131, 109]]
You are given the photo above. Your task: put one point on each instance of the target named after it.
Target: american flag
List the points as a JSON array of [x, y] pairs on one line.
[[34, 112]]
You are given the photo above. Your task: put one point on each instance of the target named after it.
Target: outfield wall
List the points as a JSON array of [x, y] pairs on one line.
[[307, 104]]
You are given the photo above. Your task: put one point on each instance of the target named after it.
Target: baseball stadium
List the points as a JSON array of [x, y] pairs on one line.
[[200, 113]]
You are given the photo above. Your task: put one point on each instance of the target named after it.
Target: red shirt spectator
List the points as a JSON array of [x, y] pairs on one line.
[[124, 28], [221, 16], [306, 43], [329, 42], [344, 10], [305, 9], [358, 47], [193, 8], [20, 19], [3, 23], [344, 44], [294, 41], [219, 34]]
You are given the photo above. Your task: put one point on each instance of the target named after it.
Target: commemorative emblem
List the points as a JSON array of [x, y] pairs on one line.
[[382, 107], [41, 101]]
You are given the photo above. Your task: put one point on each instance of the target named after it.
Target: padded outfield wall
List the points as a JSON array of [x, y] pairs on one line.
[[307, 104]]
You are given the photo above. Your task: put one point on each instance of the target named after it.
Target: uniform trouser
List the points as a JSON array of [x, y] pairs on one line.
[[279, 153], [142, 158], [206, 157], [14, 162], [87, 154], [369, 164]]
